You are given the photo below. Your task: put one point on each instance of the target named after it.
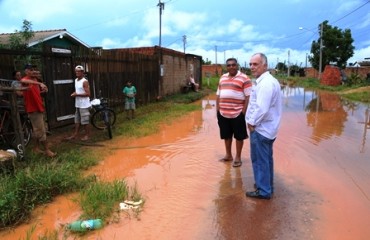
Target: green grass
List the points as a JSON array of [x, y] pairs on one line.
[[148, 118], [358, 97], [100, 199], [213, 83], [38, 182]]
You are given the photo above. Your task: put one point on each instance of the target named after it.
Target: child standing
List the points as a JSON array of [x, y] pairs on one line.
[[130, 92]]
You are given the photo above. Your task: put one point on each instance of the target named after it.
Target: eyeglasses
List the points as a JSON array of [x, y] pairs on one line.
[[231, 65]]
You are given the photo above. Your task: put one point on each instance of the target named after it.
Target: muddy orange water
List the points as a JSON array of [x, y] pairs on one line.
[[322, 190]]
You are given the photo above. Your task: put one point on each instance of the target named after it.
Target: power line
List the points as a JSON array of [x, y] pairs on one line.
[[122, 17], [351, 12]]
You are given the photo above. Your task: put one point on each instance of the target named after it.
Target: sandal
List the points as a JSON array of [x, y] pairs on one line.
[[237, 163], [226, 159]]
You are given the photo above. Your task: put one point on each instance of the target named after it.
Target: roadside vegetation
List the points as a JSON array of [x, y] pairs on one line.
[[37, 180], [356, 88]]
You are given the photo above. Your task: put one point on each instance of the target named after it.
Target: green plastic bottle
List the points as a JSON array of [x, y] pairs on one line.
[[82, 226]]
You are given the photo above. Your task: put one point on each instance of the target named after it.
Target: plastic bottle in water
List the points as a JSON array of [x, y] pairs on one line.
[[82, 226]]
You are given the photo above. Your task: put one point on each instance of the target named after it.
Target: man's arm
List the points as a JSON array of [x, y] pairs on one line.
[[86, 88], [43, 87], [246, 102]]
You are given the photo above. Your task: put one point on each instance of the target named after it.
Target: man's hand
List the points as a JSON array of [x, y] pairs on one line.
[[43, 88], [251, 128]]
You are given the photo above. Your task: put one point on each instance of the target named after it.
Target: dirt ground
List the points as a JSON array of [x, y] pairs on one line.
[[360, 89]]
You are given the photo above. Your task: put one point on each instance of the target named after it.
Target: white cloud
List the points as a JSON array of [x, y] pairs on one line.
[[346, 6], [365, 22], [360, 55], [108, 43]]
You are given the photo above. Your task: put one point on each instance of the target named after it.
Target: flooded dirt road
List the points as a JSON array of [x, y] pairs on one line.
[[322, 190]]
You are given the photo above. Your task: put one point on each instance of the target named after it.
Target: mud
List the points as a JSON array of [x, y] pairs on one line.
[[322, 170]]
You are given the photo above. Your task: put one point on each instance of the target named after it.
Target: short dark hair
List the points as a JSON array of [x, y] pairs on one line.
[[232, 59]]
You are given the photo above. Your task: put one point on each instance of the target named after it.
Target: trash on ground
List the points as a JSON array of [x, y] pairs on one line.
[[82, 226]]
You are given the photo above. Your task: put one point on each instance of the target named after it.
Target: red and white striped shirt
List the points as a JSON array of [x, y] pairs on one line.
[[232, 91]]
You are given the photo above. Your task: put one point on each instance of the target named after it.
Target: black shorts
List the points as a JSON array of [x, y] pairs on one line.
[[230, 127]]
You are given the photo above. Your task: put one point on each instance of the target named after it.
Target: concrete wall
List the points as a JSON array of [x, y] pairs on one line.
[[212, 70], [177, 69]]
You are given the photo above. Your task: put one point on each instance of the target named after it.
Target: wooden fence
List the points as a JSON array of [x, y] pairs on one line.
[[107, 72]]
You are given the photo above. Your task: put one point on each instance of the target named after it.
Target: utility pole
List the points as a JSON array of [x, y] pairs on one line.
[[321, 46], [306, 59], [161, 8], [288, 63], [215, 54], [184, 41], [161, 68]]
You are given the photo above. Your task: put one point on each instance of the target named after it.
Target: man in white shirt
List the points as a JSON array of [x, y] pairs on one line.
[[263, 119], [82, 104]]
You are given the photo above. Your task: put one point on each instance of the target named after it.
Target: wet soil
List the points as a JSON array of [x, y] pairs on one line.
[[322, 170]]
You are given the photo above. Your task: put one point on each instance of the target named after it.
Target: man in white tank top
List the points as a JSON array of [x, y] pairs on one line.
[[82, 104]]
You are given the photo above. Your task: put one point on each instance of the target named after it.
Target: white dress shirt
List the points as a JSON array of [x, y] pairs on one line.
[[265, 106]]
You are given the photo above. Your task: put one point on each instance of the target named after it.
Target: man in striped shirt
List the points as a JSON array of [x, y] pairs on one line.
[[233, 93]]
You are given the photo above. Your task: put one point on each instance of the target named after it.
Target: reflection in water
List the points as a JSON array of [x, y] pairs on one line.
[[326, 116], [366, 127]]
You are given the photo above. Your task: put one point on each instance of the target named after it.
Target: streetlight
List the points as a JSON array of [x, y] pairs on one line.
[[321, 46]]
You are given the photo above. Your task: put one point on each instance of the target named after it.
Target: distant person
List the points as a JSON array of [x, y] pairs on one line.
[[35, 108], [233, 93], [130, 92], [82, 104], [17, 76], [194, 85], [263, 119]]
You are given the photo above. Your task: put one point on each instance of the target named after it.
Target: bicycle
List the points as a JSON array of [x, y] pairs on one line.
[[7, 129], [103, 116]]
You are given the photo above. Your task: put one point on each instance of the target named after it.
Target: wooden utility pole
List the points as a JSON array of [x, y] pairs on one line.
[[184, 41]]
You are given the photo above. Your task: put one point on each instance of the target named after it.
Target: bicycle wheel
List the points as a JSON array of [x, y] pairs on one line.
[[10, 135], [27, 131], [97, 119]]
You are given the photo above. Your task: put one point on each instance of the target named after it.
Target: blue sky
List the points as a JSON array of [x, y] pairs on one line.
[[235, 28]]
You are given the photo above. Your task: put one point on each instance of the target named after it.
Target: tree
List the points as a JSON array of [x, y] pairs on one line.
[[20, 39], [337, 47], [281, 67], [207, 62]]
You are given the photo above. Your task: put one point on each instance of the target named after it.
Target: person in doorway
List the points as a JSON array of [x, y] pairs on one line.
[[35, 109], [263, 118], [130, 92], [82, 104], [194, 85], [233, 93]]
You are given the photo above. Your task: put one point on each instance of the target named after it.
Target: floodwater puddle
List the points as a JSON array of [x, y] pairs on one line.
[[322, 165]]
